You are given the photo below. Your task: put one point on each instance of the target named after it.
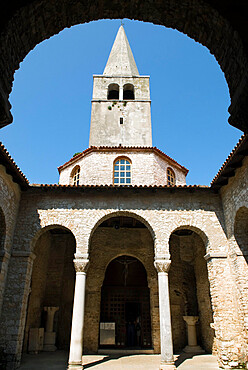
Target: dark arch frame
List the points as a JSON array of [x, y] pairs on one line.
[[128, 92], [215, 27], [113, 91]]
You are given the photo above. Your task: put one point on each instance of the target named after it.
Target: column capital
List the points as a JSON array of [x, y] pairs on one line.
[[191, 320], [81, 264], [162, 265]]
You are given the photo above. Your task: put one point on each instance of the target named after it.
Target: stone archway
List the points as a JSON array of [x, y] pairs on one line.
[[116, 236], [52, 289], [125, 302], [189, 289], [213, 27], [241, 231]]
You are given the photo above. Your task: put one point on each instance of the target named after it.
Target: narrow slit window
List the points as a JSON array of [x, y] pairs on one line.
[[121, 120]]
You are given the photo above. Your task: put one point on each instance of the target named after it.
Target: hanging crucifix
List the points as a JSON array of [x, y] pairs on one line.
[[125, 262]]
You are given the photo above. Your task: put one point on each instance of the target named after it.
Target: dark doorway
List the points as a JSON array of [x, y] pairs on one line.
[[125, 302]]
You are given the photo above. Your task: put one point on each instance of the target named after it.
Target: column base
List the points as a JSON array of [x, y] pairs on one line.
[[75, 367], [193, 349], [168, 366]]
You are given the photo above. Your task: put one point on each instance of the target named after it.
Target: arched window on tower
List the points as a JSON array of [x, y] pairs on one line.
[[171, 178], [75, 175], [122, 171], [128, 92], [113, 92]]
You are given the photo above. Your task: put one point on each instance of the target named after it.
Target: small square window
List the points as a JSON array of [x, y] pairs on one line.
[[122, 161], [122, 181], [116, 174], [128, 174], [128, 181], [122, 174], [116, 168], [116, 181]]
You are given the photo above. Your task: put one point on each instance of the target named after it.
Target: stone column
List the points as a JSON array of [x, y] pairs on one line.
[[76, 345], [167, 359], [50, 335], [192, 346]]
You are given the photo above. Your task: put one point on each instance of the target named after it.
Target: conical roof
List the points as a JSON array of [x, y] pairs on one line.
[[121, 61]]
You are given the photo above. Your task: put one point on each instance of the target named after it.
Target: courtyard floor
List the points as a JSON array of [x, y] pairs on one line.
[[58, 361]]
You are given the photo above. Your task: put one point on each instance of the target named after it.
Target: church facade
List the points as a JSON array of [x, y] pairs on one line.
[[122, 254]]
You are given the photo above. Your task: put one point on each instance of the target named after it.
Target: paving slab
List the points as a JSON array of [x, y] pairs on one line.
[[58, 361]]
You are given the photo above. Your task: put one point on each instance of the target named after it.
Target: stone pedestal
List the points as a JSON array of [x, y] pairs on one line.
[[192, 346], [50, 335], [167, 358], [76, 345], [35, 340]]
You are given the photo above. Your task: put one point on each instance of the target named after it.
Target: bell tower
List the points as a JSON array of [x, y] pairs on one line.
[[121, 106]]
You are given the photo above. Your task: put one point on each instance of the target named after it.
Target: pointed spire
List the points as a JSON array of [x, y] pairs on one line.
[[121, 61]]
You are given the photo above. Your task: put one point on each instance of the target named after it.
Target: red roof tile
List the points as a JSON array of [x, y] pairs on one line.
[[12, 168], [236, 156]]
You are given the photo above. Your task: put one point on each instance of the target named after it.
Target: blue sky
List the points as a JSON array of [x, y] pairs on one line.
[[52, 90]]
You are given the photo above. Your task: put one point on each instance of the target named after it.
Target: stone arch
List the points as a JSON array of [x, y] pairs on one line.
[[122, 254], [190, 287], [44, 229], [38, 20], [195, 229], [121, 213], [108, 243], [52, 283], [241, 230]]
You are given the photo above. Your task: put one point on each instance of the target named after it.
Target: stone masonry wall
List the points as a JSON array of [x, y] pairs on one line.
[[147, 169], [9, 203], [162, 211], [235, 205]]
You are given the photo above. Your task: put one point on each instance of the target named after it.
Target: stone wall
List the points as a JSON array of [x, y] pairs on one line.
[[9, 203], [82, 210], [148, 168], [235, 205]]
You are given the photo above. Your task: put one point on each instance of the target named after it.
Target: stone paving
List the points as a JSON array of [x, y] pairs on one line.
[[58, 361]]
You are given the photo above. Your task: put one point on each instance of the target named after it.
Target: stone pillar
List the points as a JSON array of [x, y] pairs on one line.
[[167, 359], [14, 309], [227, 321], [76, 345], [192, 346], [50, 335]]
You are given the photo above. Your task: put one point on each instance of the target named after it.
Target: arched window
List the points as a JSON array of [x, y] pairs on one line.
[[113, 92], [171, 178], [75, 175], [122, 171], [128, 92]]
